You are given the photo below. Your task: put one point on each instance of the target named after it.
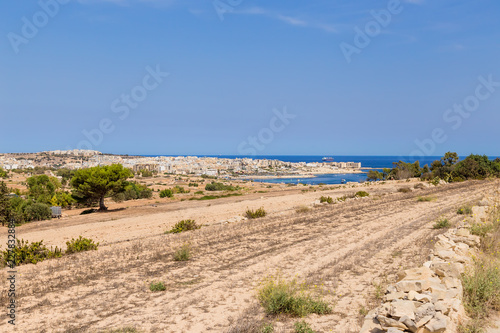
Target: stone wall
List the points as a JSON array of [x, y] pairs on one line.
[[429, 298]]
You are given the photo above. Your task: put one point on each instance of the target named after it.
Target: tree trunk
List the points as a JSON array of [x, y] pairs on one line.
[[101, 204]]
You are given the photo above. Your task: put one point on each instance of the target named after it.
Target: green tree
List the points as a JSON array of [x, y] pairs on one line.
[[449, 159], [42, 188], [3, 173], [374, 175], [4, 203], [95, 183]]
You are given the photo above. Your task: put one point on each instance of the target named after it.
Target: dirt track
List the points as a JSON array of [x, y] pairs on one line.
[[345, 248]]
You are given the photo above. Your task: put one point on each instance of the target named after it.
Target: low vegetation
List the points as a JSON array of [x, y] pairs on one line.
[[183, 253], [302, 209], [404, 190], [425, 199], [214, 186], [278, 296], [465, 210], [166, 194], [255, 214], [442, 224], [80, 245], [362, 194], [184, 225], [302, 327], [157, 286], [326, 199], [25, 252], [213, 197], [481, 283]]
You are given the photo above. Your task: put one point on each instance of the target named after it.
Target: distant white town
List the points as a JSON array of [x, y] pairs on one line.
[[180, 165]]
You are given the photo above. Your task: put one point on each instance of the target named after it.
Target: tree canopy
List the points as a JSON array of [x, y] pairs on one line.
[[95, 183]]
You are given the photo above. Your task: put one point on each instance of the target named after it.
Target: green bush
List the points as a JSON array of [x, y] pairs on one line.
[[38, 212], [220, 187], [254, 214], [280, 297], [362, 194], [183, 253], [179, 189], [166, 194], [184, 225], [302, 327], [193, 185], [157, 286], [26, 253], [80, 244], [199, 192], [326, 199], [441, 224]]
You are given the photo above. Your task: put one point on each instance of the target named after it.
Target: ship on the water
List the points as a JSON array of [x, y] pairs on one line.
[[327, 159]]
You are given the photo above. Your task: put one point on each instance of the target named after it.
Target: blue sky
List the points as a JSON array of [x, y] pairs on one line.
[[231, 80]]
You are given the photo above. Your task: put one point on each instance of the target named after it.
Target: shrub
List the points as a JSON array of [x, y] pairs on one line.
[[184, 225], [482, 288], [183, 253], [38, 212], [251, 214], [193, 185], [441, 224], [326, 199], [281, 297], [80, 245], [166, 194], [302, 209], [362, 194], [26, 253], [220, 187], [199, 192], [179, 189], [302, 327], [157, 286], [425, 199], [404, 190], [465, 210]]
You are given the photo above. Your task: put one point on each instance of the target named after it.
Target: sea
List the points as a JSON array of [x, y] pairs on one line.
[[372, 162]]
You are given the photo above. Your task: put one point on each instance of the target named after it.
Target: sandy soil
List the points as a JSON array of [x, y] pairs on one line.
[[347, 248]]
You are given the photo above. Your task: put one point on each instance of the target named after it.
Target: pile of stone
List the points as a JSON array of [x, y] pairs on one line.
[[429, 299]]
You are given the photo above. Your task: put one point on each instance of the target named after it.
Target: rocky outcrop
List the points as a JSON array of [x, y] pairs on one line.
[[428, 299]]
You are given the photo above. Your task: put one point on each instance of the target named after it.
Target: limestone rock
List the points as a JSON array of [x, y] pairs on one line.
[[409, 323], [389, 322], [437, 324], [400, 308]]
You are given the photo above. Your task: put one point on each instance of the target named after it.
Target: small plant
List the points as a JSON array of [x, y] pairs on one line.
[[404, 190], [363, 311], [278, 296], [465, 210], [442, 224], [166, 194], [302, 327], [157, 286], [199, 192], [29, 253], [184, 225], [81, 244], [267, 328], [326, 199], [302, 209], [481, 229], [255, 214], [435, 181], [183, 253], [362, 194], [425, 199]]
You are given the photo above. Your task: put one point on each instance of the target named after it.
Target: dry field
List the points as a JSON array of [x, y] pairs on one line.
[[350, 249]]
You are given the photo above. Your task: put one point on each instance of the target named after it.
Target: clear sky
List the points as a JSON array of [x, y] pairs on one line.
[[329, 77]]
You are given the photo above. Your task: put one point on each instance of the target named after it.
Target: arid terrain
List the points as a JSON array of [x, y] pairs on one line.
[[349, 250]]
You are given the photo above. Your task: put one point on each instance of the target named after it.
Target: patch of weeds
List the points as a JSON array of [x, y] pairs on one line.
[[481, 229], [425, 199], [184, 225], [465, 210], [213, 197], [278, 296], [302, 327], [80, 245], [302, 209], [404, 190], [363, 311], [362, 194], [442, 224], [255, 214], [29, 253], [267, 328], [326, 199], [183, 253], [157, 286]]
